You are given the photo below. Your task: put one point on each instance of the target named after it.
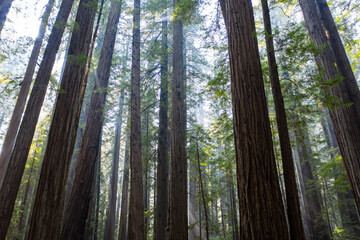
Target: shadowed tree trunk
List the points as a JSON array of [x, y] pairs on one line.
[[22, 145], [4, 10], [292, 197], [342, 61], [261, 210], [125, 193], [110, 219], [345, 119], [162, 198], [136, 209], [77, 212], [15, 120], [178, 190], [49, 202]]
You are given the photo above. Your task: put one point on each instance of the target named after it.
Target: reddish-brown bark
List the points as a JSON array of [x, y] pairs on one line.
[[49, 202], [261, 210], [22, 145]]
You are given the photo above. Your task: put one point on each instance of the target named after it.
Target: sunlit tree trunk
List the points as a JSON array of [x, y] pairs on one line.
[[291, 191], [136, 209], [22, 145], [345, 119], [262, 213], [81, 195], [4, 10], [15, 120]]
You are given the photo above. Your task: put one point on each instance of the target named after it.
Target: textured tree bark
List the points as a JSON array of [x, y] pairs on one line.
[[49, 202], [291, 191], [15, 120], [342, 61], [81, 195], [110, 219], [162, 201], [178, 189], [125, 193], [4, 10], [136, 209], [345, 119], [22, 145], [261, 210]]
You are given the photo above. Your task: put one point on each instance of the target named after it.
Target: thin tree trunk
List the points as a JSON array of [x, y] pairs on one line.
[[4, 10], [162, 201], [77, 212], [21, 149], [345, 119], [15, 120], [292, 197], [125, 193], [136, 211], [98, 185], [262, 213], [202, 191], [318, 227], [194, 211], [146, 173], [178, 191], [2, 121], [49, 202], [234, 218], [25, 203], [110, 219]]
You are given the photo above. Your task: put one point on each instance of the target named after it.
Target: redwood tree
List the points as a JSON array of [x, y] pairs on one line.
[[15, 120], [81, 194], [178, 188], [162, 198], [345, 115], [49, 201], [292, 196], [136, 208], [22, 145], [261, 209]]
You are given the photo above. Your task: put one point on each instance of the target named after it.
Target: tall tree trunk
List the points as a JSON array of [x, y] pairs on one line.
[[77, 212], [4, 10], [15, 120], [346, 119], [146, 173], [124, 195], [202, 191], [262, 213], [342, 61], [162, 201], [49, 202], [234, 218], [178, 190], [110, 219], [317, 224], [136, 211], [22, 145], [98, 185], [292, 197]]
